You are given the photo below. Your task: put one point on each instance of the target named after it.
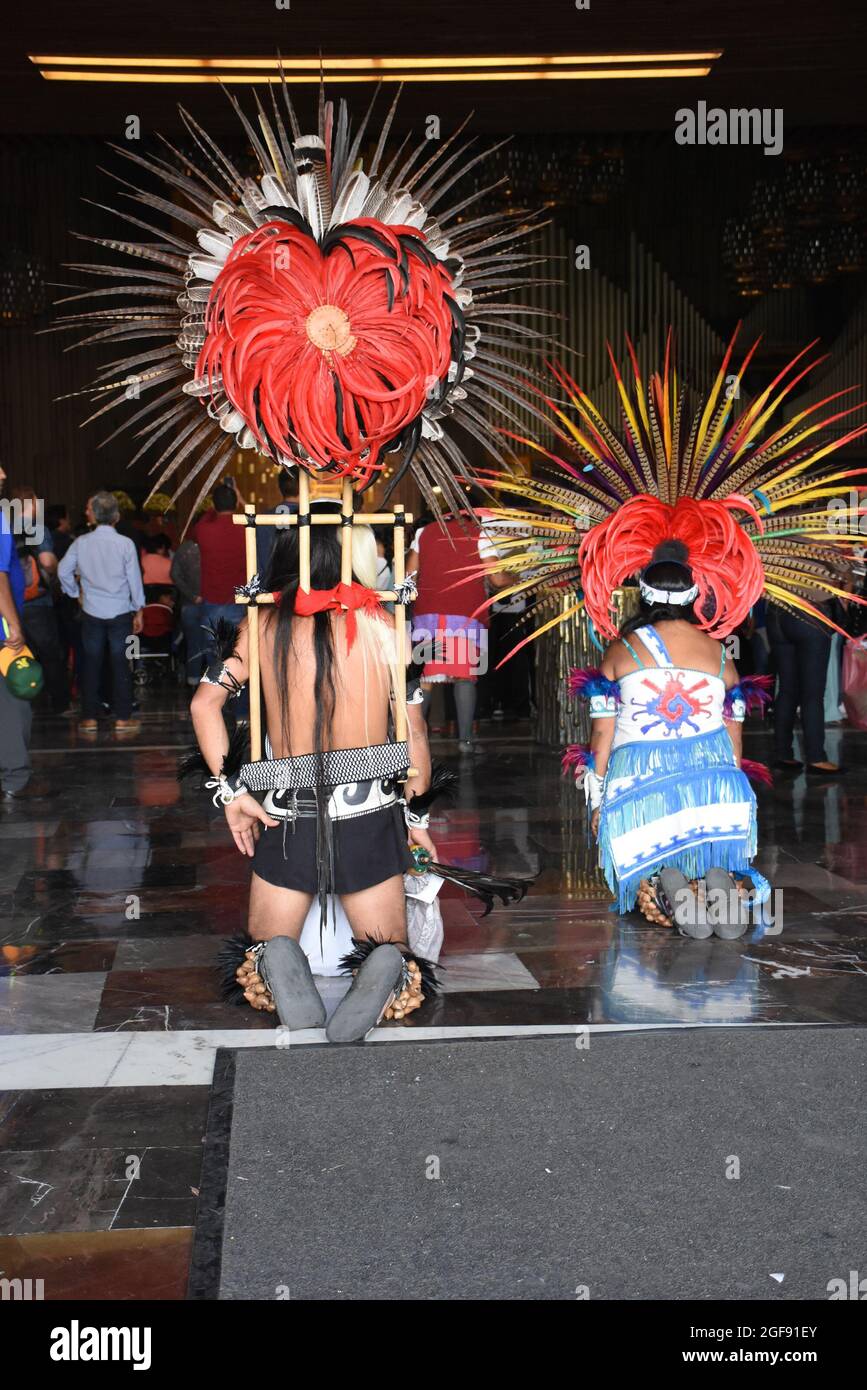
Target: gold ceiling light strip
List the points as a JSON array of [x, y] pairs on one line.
[[378, 64], [263, 71], [232, 79]]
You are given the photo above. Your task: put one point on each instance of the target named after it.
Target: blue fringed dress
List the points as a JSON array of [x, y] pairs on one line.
[[673, 795]]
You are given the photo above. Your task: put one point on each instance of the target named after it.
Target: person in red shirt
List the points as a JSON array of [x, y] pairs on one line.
[[222, 549], [223, 570], [449, 628]]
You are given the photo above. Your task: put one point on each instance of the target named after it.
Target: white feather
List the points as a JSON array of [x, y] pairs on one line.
[[232, 421], [415, 216], [231, 219], [397, 208], [275, 194], [204, 268], [216, 244], [351, 201], [374, 201], [310, 188]]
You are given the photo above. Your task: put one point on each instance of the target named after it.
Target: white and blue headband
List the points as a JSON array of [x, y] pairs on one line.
[[670, 598]]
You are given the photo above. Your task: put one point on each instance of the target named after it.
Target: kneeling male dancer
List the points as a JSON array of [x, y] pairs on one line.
[[332, 821]]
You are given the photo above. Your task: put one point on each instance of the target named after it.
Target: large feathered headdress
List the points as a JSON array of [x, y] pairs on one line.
[[318, 312], [738, 495]]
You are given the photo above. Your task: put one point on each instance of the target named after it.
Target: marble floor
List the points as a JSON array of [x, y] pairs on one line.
[[116, 893]]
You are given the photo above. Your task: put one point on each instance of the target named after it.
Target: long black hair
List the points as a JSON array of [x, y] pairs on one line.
[[282, 576]]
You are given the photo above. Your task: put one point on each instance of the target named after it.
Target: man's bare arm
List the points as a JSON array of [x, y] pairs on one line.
[[207, 704], [419, 750], [9, 613], [212, 737], [244, 814]]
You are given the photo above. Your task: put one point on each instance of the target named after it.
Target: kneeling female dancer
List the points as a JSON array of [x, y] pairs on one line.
[[670, 803]]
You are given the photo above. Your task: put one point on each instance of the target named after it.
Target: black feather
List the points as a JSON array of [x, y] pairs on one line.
[[225, 637], [487, 887], [192, 762], [230, 958], [354, 959], [237, 754], [443, 782], [289, 215]]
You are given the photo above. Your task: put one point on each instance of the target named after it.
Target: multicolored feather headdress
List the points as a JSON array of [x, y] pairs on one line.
[[741, 495], [320, 313]]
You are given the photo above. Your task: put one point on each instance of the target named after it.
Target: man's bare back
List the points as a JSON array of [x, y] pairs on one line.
[[361, 690]]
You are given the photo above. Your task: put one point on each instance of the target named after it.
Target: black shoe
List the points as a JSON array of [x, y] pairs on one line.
[[788, 764], [35, 790], [834, 771]]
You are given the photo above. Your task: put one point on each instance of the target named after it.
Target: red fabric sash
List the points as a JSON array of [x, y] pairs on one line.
[[348, 598]]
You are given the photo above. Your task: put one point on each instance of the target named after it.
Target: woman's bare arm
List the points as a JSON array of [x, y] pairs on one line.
[[734, 727], [601, 739]]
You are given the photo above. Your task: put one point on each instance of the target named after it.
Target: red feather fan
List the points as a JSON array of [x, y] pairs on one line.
[[723, 559], [329, 350]]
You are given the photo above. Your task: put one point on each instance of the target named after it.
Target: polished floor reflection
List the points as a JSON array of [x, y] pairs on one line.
[[116, 893]]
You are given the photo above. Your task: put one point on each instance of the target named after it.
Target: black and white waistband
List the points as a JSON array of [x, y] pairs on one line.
[[344, 802], [335, 768]]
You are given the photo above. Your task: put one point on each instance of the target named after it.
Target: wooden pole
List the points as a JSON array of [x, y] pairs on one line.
[[326, 519], [399, 627], [347, 508], [254, 684], [304, 532], [399, 519]]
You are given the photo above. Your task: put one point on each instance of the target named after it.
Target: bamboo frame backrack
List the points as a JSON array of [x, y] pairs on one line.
[[347, 517]]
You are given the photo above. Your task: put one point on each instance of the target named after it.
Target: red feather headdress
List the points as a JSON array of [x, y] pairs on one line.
[[329, 351], [746, 493], [724, 562], [320, 309]]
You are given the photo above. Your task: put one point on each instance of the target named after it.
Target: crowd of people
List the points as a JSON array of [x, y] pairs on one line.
[[94, 600]]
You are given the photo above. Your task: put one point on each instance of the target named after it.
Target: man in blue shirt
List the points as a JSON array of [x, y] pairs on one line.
[[102, 568], [15, 715]]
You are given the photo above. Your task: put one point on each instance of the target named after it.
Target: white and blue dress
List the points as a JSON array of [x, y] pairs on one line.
[[673, 795]]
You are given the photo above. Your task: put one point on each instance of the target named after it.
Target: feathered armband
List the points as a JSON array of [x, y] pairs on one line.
[[590, 684], [750, 693], [579, 761]]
